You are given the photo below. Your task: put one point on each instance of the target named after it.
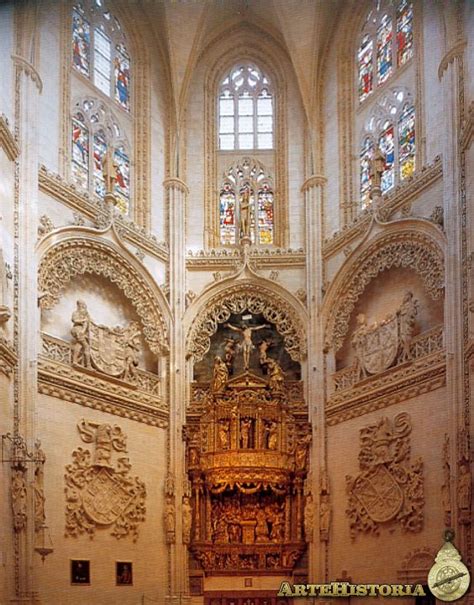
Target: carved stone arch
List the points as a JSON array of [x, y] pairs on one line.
[[246, 296], [406, 247], [74, 255], [239, 45]]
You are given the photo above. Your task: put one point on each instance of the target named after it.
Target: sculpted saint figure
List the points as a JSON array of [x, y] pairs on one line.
[[187, 520], [19, 498], [245, 213], [220, 375], [223, 435], [261, 529], [324, 518], [464, 488], [80, 332], [271, 429], [229, 354], [406, 317], [246, 345], [245, 425], [262, 351], [377, 168], [277, 377], [301, 452], [308, 518], [358, 343], [109, 170], [132, 351]]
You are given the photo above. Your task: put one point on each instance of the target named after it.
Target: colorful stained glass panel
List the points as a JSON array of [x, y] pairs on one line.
[[100, 149], [122, 76], [406, 142], [227, 216], [122, 184], [80, 152], [365, 65], [265, 215], [81, 40], [387, 147], [404, 32], [366, 154], [384, 49]]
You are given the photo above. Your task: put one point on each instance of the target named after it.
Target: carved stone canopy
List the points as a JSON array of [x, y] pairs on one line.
[[257, 300], [74, 257]]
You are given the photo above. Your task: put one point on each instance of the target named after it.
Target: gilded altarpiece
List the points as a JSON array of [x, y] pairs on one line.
[[248, 443]]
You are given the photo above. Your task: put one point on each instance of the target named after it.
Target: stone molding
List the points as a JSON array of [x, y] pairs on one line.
[[7, 139], [401, 195], [255, 298], [55, 186], [467, 128], [80, 255], [456, 51], [29, 69], [226, 258], [400, 247], [85, 388], [389, 388]]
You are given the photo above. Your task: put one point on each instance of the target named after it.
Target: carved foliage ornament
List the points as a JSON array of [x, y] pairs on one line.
[[71, 258], [100, 493], [389, 488], [408, 250], [257, 300]]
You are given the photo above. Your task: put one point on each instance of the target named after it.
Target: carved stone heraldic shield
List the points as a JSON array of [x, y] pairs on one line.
[[105, 499], [107, 346], [379, 494], [379, 346]]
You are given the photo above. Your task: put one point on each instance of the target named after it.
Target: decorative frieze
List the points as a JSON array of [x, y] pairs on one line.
[[7, 140], [226, 258], [8, 357]]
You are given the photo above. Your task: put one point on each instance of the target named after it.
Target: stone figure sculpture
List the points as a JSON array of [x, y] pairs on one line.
[[220, 375], [406, 317], [80, 332], [245, 213], [132, 351], [187, 520]]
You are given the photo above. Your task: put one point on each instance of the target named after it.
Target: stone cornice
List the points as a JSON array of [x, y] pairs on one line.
[[403, 194], [59, 380], [449, 57], [207, 260], [389, 388], [56, 187], [7, 140], [8, 357], [467, 129]]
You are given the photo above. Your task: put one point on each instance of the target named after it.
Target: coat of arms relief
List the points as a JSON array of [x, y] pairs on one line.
[[99, 491], [389, 488]]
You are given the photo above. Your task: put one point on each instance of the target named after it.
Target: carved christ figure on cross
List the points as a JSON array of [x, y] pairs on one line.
[[246, 345]]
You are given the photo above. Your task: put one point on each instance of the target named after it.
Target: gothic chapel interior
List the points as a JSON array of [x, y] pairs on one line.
[[236, 297]]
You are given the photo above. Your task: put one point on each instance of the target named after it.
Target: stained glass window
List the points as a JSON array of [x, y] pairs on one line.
[[93, 132], [80, 151], [366, 154], [404, 32], [387, 147], [81, 41], [99, 51], [384, 49], [122, 76], [245, 110], [386, 43], [366, 72], [245, 175], [406, 142]]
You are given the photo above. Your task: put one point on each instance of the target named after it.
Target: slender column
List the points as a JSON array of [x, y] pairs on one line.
[[176, 194], [26, 314], [313, 191]]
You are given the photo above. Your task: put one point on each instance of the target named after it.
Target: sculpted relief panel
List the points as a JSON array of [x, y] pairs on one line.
[[101, 492], [389, 487]]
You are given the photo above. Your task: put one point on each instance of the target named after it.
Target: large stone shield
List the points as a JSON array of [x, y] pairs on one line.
[[379, 494], [105, 498], [108, 347], [380, 345]]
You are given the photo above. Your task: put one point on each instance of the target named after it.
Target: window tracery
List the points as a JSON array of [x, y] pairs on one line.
[[386, 44], [391, 128], [245, 108], [99, 50], [94, 130], [246, 177]]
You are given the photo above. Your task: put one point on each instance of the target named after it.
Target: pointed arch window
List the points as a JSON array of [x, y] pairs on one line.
[[245, 109], [386, 44], [391, 127], [246, 175], [99, 50], [94, 131]]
